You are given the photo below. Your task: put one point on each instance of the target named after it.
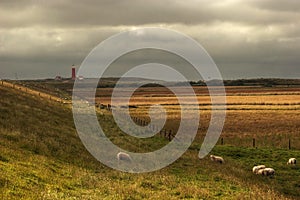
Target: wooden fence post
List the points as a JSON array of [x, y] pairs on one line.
[[253, 142], [154, 128], [289, 143], [222, 141], [170, 135]]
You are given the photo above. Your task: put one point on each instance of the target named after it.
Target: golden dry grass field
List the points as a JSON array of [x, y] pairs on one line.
[[268, 114]]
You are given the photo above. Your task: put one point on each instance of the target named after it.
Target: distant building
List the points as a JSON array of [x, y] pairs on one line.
[[58, 78]]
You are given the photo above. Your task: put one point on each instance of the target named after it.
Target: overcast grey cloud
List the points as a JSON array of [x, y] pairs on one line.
[[246, 38]]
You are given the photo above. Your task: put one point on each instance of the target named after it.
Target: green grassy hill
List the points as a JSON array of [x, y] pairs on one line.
[[41, 157]]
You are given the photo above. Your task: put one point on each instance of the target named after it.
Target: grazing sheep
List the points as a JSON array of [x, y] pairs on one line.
[[255, 169], [292, 161], [124, 157], [217, 159], [266, 172]]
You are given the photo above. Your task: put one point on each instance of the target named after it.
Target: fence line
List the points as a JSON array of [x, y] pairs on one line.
[[166, 133], [32, 91], [254, 143]]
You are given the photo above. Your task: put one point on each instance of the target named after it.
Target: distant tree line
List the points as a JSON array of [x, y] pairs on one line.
[[266, 82]]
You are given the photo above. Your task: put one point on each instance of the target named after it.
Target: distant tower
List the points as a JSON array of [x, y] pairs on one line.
[[73, 72]]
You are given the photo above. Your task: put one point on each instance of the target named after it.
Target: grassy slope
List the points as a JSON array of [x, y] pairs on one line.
[[41, 157]]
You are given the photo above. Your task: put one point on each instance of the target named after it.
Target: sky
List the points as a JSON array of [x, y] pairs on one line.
[[245, 38]]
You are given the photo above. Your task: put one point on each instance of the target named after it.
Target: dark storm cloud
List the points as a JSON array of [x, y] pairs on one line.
[[136, 12], [241, 35]]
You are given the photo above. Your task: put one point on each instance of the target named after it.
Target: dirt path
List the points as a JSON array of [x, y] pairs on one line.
[[34, 92]]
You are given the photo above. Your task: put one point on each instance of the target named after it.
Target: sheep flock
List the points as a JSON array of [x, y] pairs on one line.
[[259, 169], [263, 170]]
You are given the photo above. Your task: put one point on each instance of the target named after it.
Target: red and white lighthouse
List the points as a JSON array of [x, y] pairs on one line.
[[73, 72]]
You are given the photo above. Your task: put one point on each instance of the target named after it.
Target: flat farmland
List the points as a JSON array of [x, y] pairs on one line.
[[268, 114], [235, 96]]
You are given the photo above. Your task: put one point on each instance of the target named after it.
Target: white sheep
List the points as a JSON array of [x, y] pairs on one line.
[[255, 169], [292, 161], [269, 172], [266, 172], [124, 157], [217, 159]]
